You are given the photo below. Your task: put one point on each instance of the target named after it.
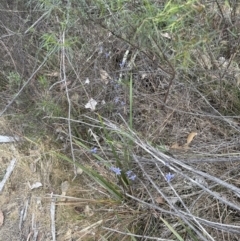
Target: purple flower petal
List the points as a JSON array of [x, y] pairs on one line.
[[116, 170], [169, 177], [94, 150], [129, 173], [133, 177]]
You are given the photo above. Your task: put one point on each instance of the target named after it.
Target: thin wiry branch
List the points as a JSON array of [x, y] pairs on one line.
[[137, 236], [64, 80]]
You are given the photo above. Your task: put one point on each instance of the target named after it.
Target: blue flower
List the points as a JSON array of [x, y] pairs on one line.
[[116, 170], [131, 175], [94, 150], [169, 177]]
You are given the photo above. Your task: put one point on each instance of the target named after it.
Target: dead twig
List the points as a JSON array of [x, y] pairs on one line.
[[8, 173]]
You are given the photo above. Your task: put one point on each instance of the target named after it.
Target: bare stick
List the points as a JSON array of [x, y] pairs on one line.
[[137, 236], [52, 211], [64, 80], [8, 173]]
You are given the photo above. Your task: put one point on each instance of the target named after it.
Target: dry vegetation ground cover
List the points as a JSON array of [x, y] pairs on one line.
[[128, 114]]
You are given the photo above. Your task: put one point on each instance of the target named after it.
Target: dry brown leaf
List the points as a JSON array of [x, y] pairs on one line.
[[88, 211], [166, 35], [75, 97], [185, 147], [190, 137], [237, 76], [63, 85], [64, 186], [1, 218], [144, 76], [159, 200], [105, 77], [68, 234], [53, 74], [198, 7], [91, 104], [176, 146], [35, 185], [79, 170]]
